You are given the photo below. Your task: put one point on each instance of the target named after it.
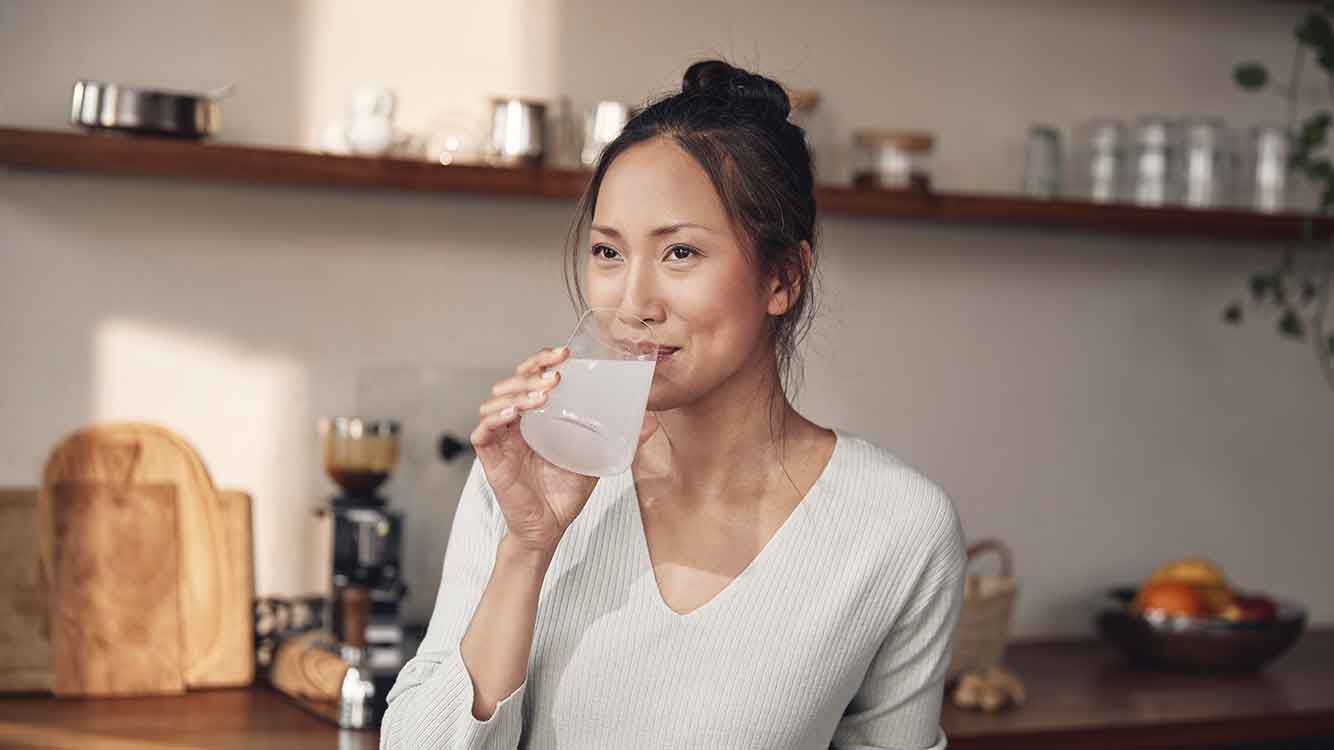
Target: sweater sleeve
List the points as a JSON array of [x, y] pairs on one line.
[[898, 704], [430, 704]]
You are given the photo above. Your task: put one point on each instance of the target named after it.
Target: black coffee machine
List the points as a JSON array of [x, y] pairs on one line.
[[359, 455]]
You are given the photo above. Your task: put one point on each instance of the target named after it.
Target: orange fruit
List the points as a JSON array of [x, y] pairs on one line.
[[1170, 598]]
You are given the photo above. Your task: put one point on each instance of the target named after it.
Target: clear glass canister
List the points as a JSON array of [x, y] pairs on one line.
[[1042, 162], [1205, 166], [1102, 161], [1156, 150], [1265, 181], [893, 159]]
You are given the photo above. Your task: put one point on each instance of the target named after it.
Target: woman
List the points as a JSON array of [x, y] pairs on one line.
[[754, 580]]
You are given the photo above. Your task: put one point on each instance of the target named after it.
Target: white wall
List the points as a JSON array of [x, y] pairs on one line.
[[1075, 392]]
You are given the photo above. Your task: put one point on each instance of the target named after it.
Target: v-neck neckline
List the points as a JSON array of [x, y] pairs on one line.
[[800, 509]]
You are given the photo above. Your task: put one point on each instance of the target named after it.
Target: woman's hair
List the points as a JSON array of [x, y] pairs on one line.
[[734, 124]]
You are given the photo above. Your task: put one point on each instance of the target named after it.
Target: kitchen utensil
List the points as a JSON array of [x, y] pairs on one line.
[[518, 132], [1206, 163], [307, 670], [1157, 147], [984, 620], [1042, 162], [605, 121], [115, 615], [591, 421], [216, 584], [25, 617], [1197, 644], [895, 159], [138, 109]]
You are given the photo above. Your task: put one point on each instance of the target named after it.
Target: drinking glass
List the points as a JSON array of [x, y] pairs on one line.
[[591, 420]]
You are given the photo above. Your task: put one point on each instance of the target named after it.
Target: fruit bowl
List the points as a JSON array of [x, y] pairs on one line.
[[1197, 644]]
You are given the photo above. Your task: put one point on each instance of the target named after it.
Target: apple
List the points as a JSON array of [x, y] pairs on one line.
[[1258, 608]]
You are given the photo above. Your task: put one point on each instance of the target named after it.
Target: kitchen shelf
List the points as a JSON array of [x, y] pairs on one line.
[[118, 154]]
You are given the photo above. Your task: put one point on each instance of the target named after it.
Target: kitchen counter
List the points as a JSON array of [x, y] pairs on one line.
[[1080, 695]]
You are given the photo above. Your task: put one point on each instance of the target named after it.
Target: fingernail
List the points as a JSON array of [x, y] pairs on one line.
[[508, 412], [549, 375], [534, 396]]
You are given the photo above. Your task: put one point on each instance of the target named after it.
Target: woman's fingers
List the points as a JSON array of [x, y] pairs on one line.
[[521, 401], [527, 389], [525, 383], [542, 360], [490, 428]]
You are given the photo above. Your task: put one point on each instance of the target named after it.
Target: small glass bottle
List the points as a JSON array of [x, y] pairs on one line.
[[1042, 162]]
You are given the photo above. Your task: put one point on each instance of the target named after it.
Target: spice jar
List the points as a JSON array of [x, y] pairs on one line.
[[895, 159]]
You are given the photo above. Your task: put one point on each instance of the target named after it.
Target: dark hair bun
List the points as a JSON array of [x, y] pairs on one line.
[[737, 86]]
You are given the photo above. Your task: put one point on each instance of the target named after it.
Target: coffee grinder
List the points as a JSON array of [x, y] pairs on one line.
[[359, 455]]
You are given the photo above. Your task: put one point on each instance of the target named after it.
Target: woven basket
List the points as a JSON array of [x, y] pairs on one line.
[[984, 622]]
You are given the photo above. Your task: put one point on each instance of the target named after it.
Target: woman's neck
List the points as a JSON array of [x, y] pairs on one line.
[[729, 446]]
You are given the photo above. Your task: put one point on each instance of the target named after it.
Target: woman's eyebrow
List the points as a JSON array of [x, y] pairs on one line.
[[659, 232]]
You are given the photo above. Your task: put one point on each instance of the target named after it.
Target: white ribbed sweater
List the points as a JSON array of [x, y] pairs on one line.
[[836, 635]]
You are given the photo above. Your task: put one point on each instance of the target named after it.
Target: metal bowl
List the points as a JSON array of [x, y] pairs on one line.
[[110, 106], [1193, 644]]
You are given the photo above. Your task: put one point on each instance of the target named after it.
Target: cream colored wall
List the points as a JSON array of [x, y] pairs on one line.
[[1074, 392]]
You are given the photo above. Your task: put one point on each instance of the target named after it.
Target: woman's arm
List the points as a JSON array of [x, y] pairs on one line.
[[464, 688], [898, 704], [496, 646]]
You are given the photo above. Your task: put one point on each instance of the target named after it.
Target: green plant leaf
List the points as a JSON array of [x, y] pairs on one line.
[[1291, 325], [1319, 169], [1232, 313], [1314, 30], [1251, 76], [1326, 59], [1313, 131]]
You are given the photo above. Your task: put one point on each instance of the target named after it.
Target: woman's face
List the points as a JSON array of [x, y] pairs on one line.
[[662, 248]]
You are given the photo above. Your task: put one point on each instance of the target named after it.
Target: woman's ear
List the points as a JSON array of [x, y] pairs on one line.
[[785, 287]]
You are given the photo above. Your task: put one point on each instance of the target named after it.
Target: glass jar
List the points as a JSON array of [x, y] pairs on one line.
[[1102, 161], [1206, 163], [1156, 150], [895, 159], [1042, 162], [1264, 180]]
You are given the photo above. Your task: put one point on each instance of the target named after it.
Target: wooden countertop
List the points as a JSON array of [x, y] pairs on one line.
[[1080, 695]]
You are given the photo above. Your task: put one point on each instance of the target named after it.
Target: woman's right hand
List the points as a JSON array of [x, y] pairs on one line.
[[539, 499]]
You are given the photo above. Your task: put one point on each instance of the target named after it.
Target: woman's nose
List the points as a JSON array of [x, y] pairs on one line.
[[640, 297]]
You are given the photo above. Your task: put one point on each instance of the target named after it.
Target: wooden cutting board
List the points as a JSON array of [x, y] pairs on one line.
[[216, 585], [115, 611], [25, 624]]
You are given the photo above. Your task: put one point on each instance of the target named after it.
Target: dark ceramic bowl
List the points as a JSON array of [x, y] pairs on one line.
[[1197, 644]]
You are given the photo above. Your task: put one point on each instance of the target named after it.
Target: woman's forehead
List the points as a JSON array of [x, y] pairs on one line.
[[654, 184]]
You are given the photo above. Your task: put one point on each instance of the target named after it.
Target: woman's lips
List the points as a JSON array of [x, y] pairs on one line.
[[666, 351]]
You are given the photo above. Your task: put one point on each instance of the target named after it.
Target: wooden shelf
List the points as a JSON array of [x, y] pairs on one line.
[[117, 154]]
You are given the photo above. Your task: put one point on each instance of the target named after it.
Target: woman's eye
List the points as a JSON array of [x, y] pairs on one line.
[[681, 252], [603, 252]]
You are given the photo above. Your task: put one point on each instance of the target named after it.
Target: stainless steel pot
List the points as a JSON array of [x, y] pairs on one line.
[[110, 106], [518, 132]]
